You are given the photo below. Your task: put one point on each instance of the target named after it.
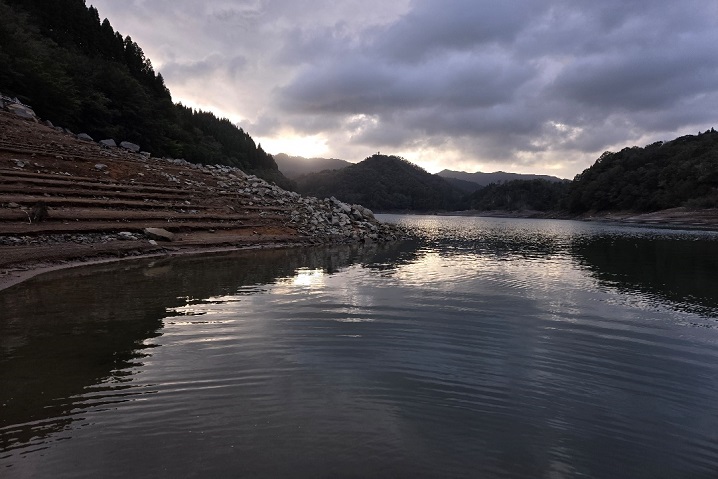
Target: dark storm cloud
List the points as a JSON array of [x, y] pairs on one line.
[[437, 27], [365, 85], [639, 80], [524, 82], [503, 72]]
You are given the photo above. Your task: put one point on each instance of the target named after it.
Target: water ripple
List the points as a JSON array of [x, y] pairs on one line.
[[489, 348]]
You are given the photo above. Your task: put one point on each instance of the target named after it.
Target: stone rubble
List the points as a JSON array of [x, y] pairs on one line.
[[326, 220]]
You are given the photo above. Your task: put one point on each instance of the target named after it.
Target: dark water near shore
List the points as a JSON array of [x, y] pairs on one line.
[[488, 348]]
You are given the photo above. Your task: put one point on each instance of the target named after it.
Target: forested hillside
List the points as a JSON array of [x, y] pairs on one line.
[[517, 195], [485, 179], [678, 173], [383, 183], [682, 172], [77, 71]]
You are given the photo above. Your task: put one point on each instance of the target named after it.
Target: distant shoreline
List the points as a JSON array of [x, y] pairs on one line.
[[674, 217]]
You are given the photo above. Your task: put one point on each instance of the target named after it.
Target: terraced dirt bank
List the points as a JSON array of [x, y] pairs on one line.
[[66, 201]]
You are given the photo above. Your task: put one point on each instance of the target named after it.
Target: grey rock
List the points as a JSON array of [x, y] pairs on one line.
[[22, 111], [84, 137], [100, 166], [130, 146], [48, 123], [159, 234], [109, 143], [126, 236]]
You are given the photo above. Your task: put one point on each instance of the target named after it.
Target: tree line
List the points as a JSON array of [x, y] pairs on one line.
[[682, 172], [678, 173], [383, 183], [58, 57]]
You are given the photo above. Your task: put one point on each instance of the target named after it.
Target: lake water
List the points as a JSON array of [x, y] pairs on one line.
[[485, 348]]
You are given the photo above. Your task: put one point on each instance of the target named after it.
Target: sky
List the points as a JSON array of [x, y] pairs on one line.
[[528, 86]]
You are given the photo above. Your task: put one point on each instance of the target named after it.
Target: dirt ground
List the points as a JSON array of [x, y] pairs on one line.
[[64, 201]]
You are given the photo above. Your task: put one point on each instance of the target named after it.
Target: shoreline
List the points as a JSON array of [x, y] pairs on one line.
[[21, 273], [65, 202], [677, 218], [669, 219]]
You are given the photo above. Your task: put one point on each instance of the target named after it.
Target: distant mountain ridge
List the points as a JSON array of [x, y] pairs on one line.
[[484, 179], [383, 183], [682, 173], [294, 166]]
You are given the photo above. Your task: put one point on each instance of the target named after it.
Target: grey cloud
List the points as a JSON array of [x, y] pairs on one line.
[[264, 125], [365, 85], [204, 68], [436, 27], [640, 80], [496, 81]]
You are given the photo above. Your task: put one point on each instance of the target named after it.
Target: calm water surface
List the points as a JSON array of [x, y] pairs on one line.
[[485, 348]]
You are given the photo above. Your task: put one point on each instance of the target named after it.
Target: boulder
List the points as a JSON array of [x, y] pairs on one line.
[[159, 234], [84, 137], [109, 143], [130, 146], [48, 123], [356, 214], [126, 236], [100, 166], [22, 111], [365, 212]]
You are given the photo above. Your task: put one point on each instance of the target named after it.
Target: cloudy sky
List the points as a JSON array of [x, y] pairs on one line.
[[532, 86]]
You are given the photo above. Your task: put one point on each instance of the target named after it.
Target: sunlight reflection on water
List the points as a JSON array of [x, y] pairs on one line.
[[484, 348]]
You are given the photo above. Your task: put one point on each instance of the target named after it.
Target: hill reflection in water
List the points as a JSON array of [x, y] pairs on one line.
[[69, 330], [484, 347]]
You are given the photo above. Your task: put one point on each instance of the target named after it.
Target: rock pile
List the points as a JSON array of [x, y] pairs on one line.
[[324, 220]]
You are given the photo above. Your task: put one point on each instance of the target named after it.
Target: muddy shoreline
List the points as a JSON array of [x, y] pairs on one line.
[[66, 202], [13, 276]]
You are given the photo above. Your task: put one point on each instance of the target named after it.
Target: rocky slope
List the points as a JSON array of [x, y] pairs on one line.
[[65, 199]]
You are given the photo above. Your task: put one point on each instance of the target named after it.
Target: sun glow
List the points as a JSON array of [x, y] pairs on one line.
[[295, 145]]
